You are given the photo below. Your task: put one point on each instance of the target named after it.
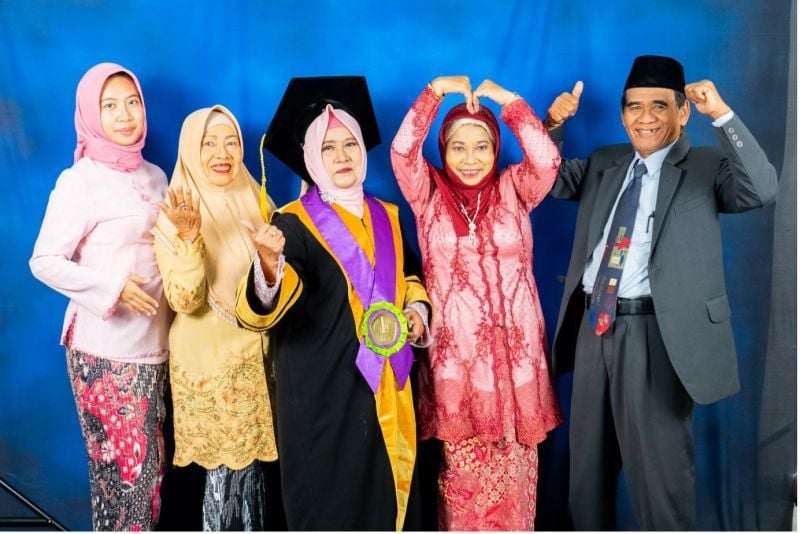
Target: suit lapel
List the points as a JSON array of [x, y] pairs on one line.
[[610, 184], [671, 176]]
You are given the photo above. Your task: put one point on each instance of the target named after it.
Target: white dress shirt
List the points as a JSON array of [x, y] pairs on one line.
[[635, 281]]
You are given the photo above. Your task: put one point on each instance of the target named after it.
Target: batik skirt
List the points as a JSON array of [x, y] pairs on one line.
[[234, 499], [121, 411], [487, 486]]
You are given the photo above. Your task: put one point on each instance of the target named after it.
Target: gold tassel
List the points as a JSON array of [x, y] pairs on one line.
[[263, 203]]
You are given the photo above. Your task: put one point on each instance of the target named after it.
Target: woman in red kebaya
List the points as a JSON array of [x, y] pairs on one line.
[[485, 391]]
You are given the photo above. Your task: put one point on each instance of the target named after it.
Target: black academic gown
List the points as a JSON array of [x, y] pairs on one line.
[[335, 471]]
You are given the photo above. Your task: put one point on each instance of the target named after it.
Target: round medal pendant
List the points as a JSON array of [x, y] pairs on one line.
[[384, 328]]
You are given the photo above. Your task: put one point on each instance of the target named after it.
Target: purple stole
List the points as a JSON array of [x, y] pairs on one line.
[[383, 331]]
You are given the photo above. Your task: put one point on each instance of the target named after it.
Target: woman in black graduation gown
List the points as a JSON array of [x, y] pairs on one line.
[[333, 284]]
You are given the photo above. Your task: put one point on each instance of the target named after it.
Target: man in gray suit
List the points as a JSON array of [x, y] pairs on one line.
[[644, 321]]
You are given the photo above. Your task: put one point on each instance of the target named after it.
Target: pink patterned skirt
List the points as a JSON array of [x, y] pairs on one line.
[[121, 410], [487, 486]]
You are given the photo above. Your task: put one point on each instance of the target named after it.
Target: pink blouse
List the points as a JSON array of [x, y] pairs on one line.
[[487, 374], [96, 232]]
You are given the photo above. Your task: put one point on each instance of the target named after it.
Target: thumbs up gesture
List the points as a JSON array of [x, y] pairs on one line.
[[269, 242], [563, 107]]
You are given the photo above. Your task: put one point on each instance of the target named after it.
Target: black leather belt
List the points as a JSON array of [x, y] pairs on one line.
[[637, 306]]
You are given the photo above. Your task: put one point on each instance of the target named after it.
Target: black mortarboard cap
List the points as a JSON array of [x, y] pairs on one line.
[[303, 101], [656, 71]]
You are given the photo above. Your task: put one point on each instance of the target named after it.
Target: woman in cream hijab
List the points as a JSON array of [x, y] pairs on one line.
[[222, 414]]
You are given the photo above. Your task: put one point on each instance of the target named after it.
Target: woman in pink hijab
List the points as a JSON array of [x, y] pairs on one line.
[[95, 248], [334, 285]]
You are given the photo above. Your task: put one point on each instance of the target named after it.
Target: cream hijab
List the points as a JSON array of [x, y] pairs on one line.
[[229, 250]]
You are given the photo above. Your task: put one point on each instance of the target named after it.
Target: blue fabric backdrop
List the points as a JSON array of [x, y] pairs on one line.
[[241, 54]]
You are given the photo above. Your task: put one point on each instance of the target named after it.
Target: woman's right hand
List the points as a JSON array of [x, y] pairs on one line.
[[135, 299], [183, 212], [269, 242], [445, 85]]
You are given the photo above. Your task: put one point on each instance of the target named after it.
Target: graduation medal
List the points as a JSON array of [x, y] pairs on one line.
[[384, 329]]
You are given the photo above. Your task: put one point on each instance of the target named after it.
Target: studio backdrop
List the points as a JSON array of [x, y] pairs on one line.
[[241, 54]]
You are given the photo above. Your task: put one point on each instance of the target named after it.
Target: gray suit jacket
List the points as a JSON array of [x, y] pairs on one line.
[[685, 268]]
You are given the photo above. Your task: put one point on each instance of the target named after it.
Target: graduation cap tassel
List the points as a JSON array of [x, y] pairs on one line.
[[263, 204]]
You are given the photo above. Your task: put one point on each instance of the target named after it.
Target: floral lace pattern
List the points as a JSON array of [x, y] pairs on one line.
[[186, 298], [487, 374], [488, 486], [224, 417], [120, 407]]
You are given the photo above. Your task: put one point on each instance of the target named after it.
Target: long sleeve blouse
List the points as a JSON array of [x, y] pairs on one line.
[[218, 372], [487, 374], [95, 233]]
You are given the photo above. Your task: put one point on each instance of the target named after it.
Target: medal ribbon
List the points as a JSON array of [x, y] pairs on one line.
[[372, 285]]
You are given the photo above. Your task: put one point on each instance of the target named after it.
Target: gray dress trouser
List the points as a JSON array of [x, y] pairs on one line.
[[629, 409]]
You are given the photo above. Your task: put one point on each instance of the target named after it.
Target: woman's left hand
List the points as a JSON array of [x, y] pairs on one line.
[[416, 328], [493, 91]]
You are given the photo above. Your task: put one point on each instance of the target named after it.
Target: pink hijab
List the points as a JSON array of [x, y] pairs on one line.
[[92, 140], [352, 198]]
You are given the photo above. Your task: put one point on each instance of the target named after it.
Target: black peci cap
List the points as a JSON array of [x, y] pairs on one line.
[[656, 71], [303, 101]]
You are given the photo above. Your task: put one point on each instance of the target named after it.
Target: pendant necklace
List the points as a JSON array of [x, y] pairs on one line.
[[471, 220]]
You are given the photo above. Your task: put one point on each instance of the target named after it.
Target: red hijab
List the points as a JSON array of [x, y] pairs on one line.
[[455, 192]]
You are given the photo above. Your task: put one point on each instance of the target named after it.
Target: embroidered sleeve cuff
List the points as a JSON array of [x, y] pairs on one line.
[[177, 246], [189, 248], [265, 292], [426, 339], [428, 103], [518, 111], [118, 293]]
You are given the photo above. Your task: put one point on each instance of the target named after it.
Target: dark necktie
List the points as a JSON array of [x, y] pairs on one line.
[[603, 307]]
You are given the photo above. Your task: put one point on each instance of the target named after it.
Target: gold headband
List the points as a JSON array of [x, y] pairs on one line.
[[458, 123]]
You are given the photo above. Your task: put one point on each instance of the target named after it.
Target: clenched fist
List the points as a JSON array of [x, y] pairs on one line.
[[706, 99], [415, 325]]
